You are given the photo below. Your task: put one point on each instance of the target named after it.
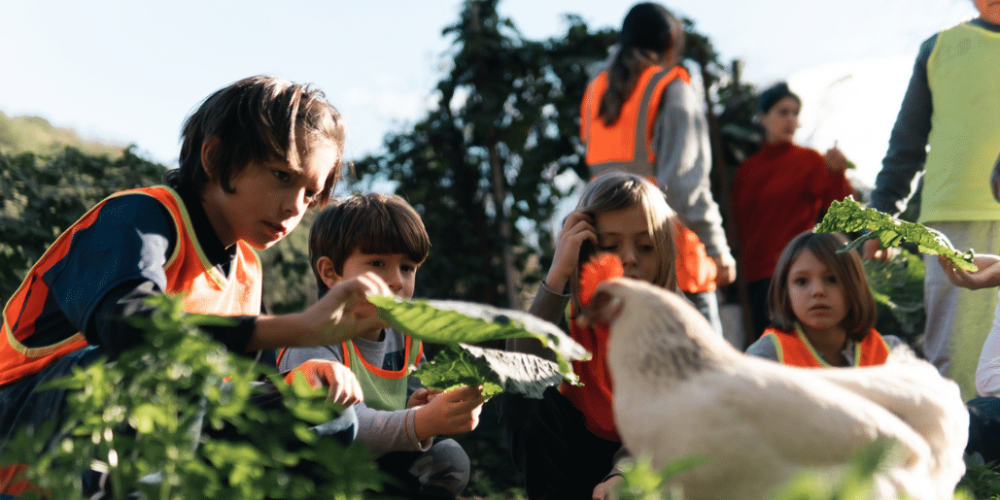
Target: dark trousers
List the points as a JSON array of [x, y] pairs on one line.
[[984, 428], [759, 317], [551, 445]]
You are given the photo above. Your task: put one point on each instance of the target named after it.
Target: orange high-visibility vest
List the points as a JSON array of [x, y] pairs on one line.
[[207, 290], [794, 349], [626, 145]]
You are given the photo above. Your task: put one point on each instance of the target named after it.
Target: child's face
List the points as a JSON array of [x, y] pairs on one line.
[[816, 294], [989, 10], [625, 233], [270, 197], [396, 269], [781, 121]]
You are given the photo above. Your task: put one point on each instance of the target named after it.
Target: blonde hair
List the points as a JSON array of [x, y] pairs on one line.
[[618, 191]]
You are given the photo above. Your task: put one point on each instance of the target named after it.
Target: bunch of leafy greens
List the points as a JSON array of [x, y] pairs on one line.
[[458, 324], [497, 371], [847, 216], [897, 285], [182, 417]]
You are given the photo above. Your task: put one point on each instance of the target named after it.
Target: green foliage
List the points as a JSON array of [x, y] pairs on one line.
[[898, 287], [447, 321], [497, 371], [847, 216], [32, 134], [640, 481], [174, 418], [504, 129], [981, 480], [40, 197]]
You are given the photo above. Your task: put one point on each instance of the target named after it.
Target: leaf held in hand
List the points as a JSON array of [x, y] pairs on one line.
[[847, 216], [497, 371], [450, 321]]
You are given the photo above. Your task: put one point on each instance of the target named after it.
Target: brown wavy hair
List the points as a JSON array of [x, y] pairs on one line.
[[255, 119]]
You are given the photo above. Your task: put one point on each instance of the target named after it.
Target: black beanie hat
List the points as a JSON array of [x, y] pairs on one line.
[[771, 96], [646, 26]]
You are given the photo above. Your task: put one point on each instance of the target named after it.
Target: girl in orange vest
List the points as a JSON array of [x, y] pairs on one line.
[[567, 444], [822, 310], [641, 115]]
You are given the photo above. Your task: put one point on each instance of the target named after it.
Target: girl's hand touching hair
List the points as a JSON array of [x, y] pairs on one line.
[[578, 228]]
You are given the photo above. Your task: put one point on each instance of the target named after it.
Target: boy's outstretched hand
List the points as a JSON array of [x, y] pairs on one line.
[[453, 412], [344, 387], [344, 311]]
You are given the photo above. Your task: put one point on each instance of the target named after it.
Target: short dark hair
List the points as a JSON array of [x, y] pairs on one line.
[[373, 223], [847, 266], [256, 119], [772, 95]]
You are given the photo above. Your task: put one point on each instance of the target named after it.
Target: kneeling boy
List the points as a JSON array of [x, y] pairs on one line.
[[398, 420]]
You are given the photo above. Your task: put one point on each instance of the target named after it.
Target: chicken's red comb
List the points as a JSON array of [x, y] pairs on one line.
[[599, 268]]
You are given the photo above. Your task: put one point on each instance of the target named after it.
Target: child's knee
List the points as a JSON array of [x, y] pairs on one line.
[[443, 470]]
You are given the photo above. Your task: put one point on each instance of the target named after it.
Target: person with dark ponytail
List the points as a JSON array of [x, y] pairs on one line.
[[641, 115]]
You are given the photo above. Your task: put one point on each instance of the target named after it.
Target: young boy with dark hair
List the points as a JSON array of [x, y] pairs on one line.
[[256, 156], [399, 419]]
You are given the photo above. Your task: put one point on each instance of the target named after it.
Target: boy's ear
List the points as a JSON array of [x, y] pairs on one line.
[[327, 273], [207, 150]]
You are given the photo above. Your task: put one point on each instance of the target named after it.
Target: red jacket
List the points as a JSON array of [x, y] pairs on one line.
[[777, 194]]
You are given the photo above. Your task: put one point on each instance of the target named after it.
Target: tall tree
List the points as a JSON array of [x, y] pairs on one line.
[[481, 168]]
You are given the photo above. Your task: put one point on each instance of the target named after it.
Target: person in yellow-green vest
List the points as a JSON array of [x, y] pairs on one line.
[[948, 130], [399, 420], [822, 310]]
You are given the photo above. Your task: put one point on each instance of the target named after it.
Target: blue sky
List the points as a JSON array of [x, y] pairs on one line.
[[129, 72]]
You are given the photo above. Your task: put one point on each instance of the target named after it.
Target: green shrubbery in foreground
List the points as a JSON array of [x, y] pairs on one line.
[[155, 416]]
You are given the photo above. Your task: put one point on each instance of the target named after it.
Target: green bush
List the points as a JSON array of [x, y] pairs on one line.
[[155, 416]]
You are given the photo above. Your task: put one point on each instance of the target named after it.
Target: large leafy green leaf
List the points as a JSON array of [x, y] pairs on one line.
[[451, 321], [497, 371], [847, 216]]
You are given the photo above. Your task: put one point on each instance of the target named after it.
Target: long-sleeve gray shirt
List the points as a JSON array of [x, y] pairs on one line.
[[381, 431]]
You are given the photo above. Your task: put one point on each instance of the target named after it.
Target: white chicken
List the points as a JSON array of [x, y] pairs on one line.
[[680, 390]]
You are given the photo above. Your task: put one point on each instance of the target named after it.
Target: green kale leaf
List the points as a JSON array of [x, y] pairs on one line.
[[450, 321], [847, 216], [497, 371]]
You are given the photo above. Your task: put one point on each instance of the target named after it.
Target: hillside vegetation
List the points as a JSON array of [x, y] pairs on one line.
[[33, 134]]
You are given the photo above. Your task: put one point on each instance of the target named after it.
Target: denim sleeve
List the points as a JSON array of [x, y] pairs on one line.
[[903, 165]]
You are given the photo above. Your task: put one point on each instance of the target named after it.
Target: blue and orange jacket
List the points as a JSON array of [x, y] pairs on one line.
[[207, 289], [626, 146]]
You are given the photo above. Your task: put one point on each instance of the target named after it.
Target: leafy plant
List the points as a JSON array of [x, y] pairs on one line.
[[181, 417], [497, 371], [451, 321], [981, 480], [898, 287], [847, 216]]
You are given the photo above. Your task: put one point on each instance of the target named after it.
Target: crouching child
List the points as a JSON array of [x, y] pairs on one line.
[[399, 420]]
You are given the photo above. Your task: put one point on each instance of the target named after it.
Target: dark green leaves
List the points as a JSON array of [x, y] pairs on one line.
[[450, 321], [847, 216], [497, 371]]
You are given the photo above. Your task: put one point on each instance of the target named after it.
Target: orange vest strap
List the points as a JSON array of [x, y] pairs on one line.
[[794, 349]]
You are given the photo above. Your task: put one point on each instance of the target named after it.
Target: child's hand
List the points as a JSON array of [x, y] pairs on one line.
[[422, 396], [453, 412], [606, 490], [872, 249], [344, 311], [344, 387], [987, 276], [836, 162], [579, 227]]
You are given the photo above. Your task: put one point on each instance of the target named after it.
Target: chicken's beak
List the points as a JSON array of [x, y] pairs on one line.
[[603, 309]]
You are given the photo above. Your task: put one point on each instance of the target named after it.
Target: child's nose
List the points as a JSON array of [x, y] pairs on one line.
[[297, 204]]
